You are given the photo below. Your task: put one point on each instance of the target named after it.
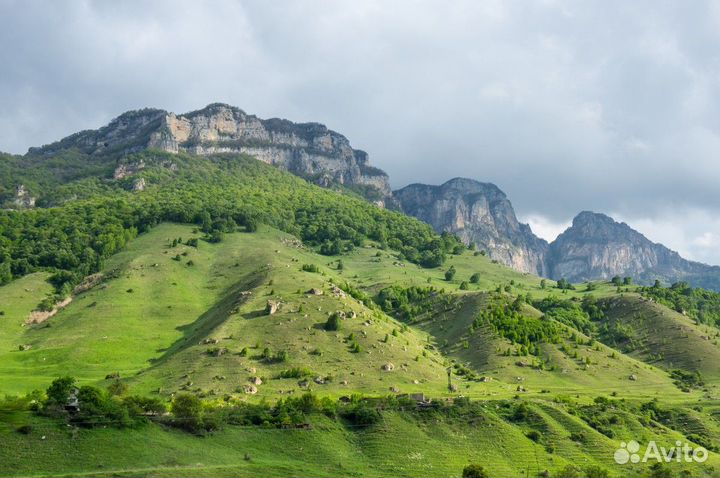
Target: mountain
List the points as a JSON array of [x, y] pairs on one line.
[[598, 247], [480, 213], [595, 247], [312, 333], [309, 150]]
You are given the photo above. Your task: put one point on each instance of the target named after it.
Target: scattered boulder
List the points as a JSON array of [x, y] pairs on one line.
[[520, 388], [250, 389], [271, 307], [319, 380], [256, 380], [632, 377], [485, 379], [453, 388], [394, 390], [24, 347], [139, 184], [315, 291], [303, 384], [388, 367]]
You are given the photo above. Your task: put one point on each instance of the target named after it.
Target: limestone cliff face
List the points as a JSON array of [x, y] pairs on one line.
[[309, 150], [597, 247], [479, 213]]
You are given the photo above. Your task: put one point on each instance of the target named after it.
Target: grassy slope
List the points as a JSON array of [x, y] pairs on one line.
[[152, 336]]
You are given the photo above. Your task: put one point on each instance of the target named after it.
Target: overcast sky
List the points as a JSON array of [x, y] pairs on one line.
[[566, 106]]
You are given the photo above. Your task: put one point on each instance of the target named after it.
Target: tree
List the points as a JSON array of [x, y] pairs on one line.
[[333, 323], [187, 410], [117, 388], [450, 273], [616, 280], [564, 284], [543, 284], [475, 278], [627, 281], [464, 285], [474, 471], [59, 391]]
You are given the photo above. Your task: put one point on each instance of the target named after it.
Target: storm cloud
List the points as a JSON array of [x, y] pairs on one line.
[[567, 106]]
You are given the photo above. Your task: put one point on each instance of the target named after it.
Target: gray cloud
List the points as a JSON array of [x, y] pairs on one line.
[[609, 106]]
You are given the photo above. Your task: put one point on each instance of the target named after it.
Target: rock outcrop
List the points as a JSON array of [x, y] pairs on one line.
[[23, 199], [309, 150], [598, 247], [480, 213]]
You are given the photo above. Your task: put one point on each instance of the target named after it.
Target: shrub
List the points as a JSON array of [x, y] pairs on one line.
[[296, 372], [333, 323], [310, 268], [474, 471], [450, 273], [475, 278]]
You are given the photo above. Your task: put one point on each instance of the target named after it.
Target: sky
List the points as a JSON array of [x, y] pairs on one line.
[[610, 106]]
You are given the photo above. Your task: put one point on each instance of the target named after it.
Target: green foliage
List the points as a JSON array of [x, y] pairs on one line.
[[59, 391], [296, 372], [333, 322], [450, 273], [572, 313], [409, 303], [563, 284], [218, 193], [510, 323], [310, 268], [474, 470], [699, 304], [475, 278]]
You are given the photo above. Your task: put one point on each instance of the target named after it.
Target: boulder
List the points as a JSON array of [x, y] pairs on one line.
[[271, 307]]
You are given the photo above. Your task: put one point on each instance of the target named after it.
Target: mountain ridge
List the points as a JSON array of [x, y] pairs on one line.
[[309, 150], [594, 247]]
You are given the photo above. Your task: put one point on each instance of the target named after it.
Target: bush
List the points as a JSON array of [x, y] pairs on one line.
[[333, 323], [296, 372], [474, 471], [187, 412], [310, 268], [450, 273], [475, 278]]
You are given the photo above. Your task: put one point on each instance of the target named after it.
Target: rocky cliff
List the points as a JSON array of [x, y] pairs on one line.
[[480, 213], [598, 247], [309, 150]]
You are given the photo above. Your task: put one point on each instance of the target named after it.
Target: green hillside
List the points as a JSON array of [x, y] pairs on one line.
[[300, 317]]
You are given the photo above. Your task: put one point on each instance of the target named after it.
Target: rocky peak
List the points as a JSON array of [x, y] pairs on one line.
[[598, 247], [480, 213], [309, 150]]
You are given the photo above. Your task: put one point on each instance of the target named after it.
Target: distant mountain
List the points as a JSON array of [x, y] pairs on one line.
[[309, 150], [480, 213], [595, 247], [598, 247]]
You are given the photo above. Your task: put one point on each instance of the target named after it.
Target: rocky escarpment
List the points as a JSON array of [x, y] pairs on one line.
[[309, 150], [598, 247], [479, 213]]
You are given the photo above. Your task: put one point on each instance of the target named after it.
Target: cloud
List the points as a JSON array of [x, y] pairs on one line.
[[608, 106]]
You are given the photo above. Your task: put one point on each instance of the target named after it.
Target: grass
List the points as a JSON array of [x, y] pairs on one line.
[[154, 319]]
